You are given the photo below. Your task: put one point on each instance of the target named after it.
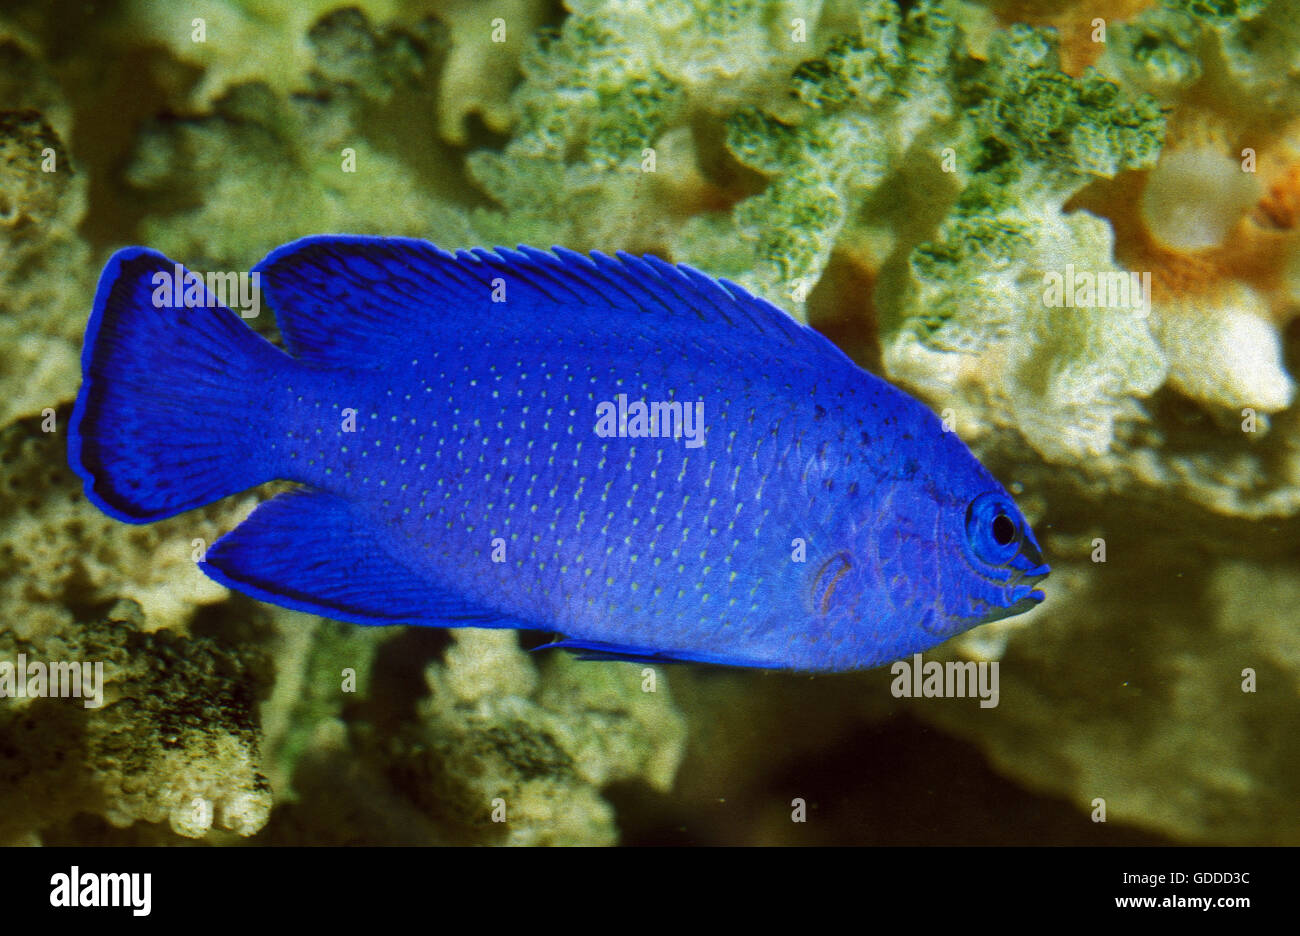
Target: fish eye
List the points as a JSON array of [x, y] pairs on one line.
[[991, 528], [1004, 529]]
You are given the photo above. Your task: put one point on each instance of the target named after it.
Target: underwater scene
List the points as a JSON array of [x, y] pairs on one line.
[[649, 422]]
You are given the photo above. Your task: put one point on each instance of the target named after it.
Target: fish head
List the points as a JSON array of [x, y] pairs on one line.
[[938, 549], [991, 561], [927, 558]]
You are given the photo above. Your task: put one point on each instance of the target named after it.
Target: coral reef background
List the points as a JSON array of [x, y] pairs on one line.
[[904, 177]]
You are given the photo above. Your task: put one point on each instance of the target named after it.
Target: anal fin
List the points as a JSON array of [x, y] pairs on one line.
[[310, 551]]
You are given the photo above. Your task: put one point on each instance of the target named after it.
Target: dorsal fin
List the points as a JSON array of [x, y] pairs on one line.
[[347, 299]]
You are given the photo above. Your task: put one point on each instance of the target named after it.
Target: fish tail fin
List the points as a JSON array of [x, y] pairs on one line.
[[171, 407]]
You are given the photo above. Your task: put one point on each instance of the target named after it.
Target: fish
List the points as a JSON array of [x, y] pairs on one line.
[[639, 459]]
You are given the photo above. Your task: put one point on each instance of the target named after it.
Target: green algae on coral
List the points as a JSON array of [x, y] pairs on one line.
[[974, 308]]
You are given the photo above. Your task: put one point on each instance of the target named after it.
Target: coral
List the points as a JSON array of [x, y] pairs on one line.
[[313, 657], [1259, 41], [862, 107], [497, 735], [486, 745], [243, 42], [1074, 20], [45, 268], [175, 739], [491, 719], [1215, 238], [239, 41], [1155, 53], [268, 166], [1195, 197], [25, 81], [1089, 386], [1228, 354], [985, 343], [58, 552], [603, 151], [487, 43], [1177, 742], [266, 169], [978, 322]]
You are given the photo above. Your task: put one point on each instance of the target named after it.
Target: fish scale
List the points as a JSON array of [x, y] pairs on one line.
[[503, 483], [827, 522]]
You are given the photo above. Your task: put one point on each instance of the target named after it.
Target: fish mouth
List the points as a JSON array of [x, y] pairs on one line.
[[1030, 554], [1024, 603], [1028, 579], [1021, 589]]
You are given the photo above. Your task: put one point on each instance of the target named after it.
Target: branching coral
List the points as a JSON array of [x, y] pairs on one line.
[[1078, 176], [978, 309], [1259, 42], [604, 149], [860, 109], [488, 38], [491, 710]]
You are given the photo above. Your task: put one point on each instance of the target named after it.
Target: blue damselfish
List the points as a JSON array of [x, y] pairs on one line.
[[653, 463]]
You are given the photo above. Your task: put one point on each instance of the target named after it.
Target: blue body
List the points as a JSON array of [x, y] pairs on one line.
[[440, 412]]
